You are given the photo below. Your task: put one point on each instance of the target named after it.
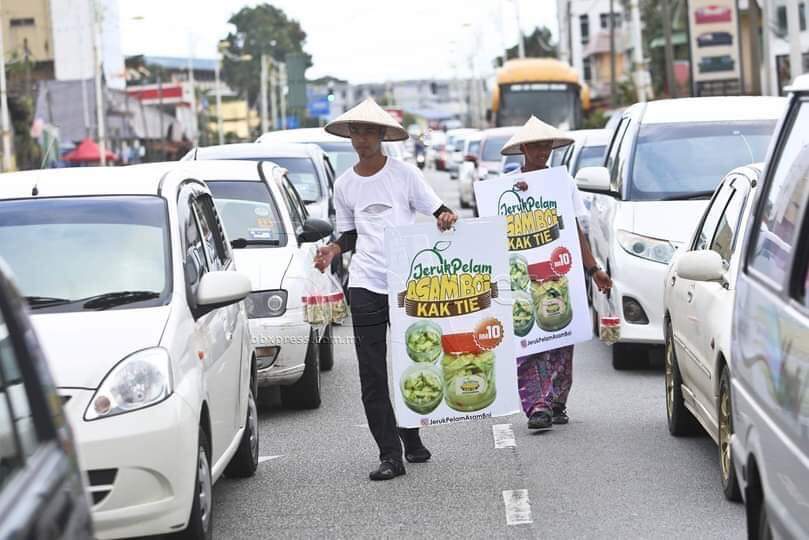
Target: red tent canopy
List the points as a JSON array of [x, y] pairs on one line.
[[87, 150]]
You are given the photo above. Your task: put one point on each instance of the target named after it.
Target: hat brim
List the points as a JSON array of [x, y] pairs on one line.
[[392, 133], [513, 149]]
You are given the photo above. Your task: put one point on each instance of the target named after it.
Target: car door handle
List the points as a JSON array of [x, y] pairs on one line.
[[690, 297]]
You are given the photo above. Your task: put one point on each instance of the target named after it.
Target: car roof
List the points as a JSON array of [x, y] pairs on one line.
[[800, 84], [713, 109], [591, 137], [300, 135], [268, 149], [495, 132], [144, 179], [460, 131]]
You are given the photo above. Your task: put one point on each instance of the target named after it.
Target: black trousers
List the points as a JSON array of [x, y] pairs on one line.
[[369, 311]]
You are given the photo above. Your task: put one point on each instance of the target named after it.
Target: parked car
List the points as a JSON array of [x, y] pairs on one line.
[[589, 149], [469, 171], [663, 163], [492, 141], [714, 39], [698, 297], [713, 64], [308, 167], [713, 14], [274, 243], [510, 163], [140, 312], [41, 489], [769, 356], [456, 140], [436, 141]]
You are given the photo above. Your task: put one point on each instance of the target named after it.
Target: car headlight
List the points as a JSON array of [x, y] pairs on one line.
[[652, 249], [139, 380], [266, 304]]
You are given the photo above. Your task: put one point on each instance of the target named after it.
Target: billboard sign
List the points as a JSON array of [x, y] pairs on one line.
[[714, 43]]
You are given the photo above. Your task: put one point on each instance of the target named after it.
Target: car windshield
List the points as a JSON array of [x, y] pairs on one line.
[[66, 251], [302, 173], [492, 147], [556, 107], [590, 156], [249, 212], [675, 160], [341, 155], [474, 148]]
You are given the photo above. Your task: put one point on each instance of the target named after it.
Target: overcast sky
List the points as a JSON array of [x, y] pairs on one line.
[[358, 40]]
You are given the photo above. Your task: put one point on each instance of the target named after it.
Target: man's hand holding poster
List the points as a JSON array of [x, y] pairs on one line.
[[451, 358], [545, 264]]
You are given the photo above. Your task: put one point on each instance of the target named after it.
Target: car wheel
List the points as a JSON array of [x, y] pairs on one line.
[[730, 485], [244, 462], [764, 531], [628, 356], [200, 524], [305, 394], [326, 350], [680, 420]]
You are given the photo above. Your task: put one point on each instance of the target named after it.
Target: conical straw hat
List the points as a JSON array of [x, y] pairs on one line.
[[367, 112], [535, 130]]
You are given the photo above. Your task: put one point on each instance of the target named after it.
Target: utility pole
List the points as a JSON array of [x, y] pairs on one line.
[[194, 119], [669, 50], [641, 75], [4, 104], [283, 89], [794, 31], [100, 114], [613, 90], [220, 127], [766, 33], [755, 49], [265, 121], [274, 97], [520, 42]]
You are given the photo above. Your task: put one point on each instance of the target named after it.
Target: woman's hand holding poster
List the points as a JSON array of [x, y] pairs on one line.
[[545, 263], [451, 356]]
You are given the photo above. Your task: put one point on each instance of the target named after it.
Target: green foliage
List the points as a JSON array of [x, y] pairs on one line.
[[595, 119], [262, 29], [538, 44], [28, 152]]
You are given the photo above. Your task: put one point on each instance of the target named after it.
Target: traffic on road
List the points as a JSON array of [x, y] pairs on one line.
[[210, 347]]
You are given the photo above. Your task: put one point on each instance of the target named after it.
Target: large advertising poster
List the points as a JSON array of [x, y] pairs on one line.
[[545, 265], [451, 359], [715, 57]]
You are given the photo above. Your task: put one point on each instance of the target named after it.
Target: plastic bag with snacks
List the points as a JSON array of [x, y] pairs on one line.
[[609, 324], [316, 306], [336, 299]]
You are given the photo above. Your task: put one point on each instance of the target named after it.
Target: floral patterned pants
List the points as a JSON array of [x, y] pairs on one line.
[[544, 379]]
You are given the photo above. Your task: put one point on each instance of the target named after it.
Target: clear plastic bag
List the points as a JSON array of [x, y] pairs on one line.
[[609, 324], [336, 299], [316, 305]]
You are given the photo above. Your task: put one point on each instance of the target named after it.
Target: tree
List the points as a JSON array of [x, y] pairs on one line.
[[538, 44], [263, 29]]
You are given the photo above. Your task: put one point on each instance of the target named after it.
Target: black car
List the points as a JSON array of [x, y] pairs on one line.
[[714, 39], [41, 489]]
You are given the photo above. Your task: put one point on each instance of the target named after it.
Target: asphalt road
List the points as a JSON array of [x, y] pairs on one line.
[[614, 471]]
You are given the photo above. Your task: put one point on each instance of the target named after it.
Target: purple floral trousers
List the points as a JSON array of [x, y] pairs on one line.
[[544, 379]]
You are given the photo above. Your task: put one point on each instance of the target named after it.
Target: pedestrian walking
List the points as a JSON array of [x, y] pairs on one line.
[[544, 379], [377, 193]]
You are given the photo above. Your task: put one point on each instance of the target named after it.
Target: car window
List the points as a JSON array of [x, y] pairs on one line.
[[11, 458], [474, 148], [212, 237], [725, 236], [712, 216], [249, 211], [196, 263], [492, 147], [302, 173], [612, 158], [590, 156], [341, 154], [293, 207], [776, 223]]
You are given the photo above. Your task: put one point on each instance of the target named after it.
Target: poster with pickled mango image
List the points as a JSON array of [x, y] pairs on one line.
[[545, 265], [452, 358]]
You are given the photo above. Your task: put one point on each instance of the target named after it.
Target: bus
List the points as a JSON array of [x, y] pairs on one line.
[[545, 87]]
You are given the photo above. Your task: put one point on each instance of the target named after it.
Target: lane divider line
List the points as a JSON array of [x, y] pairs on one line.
[[518, 507], [262, 459], [503, 436]]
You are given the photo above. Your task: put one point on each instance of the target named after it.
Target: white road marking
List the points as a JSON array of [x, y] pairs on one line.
[[518, 507], [361, 426], [262, 459], [503, 436]]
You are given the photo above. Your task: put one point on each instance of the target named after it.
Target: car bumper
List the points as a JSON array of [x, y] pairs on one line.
[[642, 281], [152, 489], [289, 338]]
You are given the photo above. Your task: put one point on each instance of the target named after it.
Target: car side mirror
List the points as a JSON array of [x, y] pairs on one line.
[[701, 265], [593, 179], [222, 288], [314, 229]]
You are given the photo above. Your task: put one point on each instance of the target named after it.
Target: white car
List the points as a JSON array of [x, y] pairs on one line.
[[469, 171], [663, 163], [698, 302], [492, 141], [274, 242], [134, 296], [456, 141], [588, 150]]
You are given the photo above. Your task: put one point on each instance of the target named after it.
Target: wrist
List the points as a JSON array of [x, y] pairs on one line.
[[336, 249], [593, 270]]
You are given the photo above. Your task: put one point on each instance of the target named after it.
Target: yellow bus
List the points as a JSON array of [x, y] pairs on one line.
[[544, 87]]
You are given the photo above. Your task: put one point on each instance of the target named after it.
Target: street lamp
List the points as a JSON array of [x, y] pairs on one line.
[[222, 47]]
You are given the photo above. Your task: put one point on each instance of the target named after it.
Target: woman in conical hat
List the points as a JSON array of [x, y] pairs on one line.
[[376, 193], [544, 379]]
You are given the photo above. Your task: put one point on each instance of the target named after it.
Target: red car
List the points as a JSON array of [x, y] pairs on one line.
[[713, 14]]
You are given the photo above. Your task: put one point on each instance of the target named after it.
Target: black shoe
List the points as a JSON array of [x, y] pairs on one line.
[[418, 455], [388, 470], [541, 420], [560, 415]]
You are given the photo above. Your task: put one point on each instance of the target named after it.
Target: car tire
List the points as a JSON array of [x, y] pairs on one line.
[[244, 462], [200, 523], [326, 350], [627, 356], [730, 484], [680, 420], [305, 393]]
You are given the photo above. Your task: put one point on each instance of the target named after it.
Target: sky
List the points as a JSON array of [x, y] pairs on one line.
[[357, 40]]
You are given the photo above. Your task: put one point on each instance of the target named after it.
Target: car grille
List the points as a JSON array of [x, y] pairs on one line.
[[101, 482]]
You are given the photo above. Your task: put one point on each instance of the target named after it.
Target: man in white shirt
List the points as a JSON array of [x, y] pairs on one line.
[[378, 192]]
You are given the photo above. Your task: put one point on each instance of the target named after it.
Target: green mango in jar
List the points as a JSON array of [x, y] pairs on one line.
[[423, 341], [523, 313], [469, 380], [552, 303], [422, 388]]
